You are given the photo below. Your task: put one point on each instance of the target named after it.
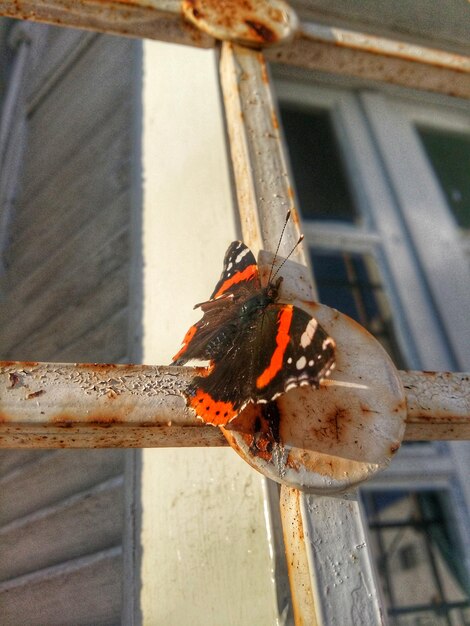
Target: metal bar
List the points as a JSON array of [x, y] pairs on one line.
[[438, 405], [264, 194], [338, 51], [315, 46], [340, 563], [297, 560], [50, 405], [260, 167], [154, 19]]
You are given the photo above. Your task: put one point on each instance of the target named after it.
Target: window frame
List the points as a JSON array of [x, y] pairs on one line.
[[424, 329]]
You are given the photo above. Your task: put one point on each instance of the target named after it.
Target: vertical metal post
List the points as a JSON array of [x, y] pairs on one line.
[[328, 562]]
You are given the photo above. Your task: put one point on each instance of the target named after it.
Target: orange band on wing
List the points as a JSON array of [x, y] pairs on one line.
[[282, 341], [211, 411], [248, 274], [187, 338]]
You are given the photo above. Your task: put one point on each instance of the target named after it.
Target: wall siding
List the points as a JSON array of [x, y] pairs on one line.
[[65, 297]]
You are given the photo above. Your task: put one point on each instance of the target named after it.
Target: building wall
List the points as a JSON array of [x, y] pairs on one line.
[[65, 297]]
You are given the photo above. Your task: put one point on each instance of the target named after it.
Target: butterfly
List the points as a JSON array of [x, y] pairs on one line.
[[256, 346]]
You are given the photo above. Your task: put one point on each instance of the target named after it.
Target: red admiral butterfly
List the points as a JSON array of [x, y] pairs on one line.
[[257, 348]]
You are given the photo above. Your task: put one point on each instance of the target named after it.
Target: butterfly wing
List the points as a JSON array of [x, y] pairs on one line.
[[240, 271], [238, 281], [292, 350], [265, 356]]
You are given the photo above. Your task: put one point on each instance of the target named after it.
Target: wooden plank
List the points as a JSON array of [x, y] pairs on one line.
[[74, 112], [67, 277], [89, 180], [107, 340], [12, 459], [78, 327], [48, 477], [80, 592], [53, 52], [43, 538]]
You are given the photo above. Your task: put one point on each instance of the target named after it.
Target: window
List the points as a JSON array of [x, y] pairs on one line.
[[417, 554], [449, 154], [383, 188]]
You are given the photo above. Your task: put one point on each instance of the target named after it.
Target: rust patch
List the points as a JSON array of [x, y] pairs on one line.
[[259, 429], [274, 120], [35, 394], [395, 447], [262, 32], [14, 379], [264, 69], [294, 215], [100, 366], [252, 23]]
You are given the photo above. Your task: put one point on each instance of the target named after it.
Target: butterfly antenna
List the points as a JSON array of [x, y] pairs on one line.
[[289, 255], [279, 245]]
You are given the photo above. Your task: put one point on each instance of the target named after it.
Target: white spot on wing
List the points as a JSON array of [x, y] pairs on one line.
[[301, 363], [308, 334], [241, 255]]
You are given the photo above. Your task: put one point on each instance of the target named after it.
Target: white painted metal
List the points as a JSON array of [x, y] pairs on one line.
[[263, 191], [91, 405], [206, 553], [340, 562]]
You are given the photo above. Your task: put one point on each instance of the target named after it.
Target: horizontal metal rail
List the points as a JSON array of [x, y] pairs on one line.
[[314, 46], [51, 405]]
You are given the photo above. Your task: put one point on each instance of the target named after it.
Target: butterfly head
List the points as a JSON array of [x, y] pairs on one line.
[[272, 289]]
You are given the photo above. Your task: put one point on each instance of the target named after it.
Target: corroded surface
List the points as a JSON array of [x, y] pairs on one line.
[[438, 405], [255, 23], [330, 439], [97, 405]]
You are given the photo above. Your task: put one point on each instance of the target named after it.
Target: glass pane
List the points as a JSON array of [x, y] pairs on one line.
[[449, 154], [418, 557], [351, 283], [318, 172]]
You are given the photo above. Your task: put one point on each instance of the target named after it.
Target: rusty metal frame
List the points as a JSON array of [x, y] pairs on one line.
[[314, 46], [51, 405], [54, 405]]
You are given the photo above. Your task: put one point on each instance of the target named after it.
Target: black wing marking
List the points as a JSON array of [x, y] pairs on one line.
[[239, 281], [282, 348], [240, 269]]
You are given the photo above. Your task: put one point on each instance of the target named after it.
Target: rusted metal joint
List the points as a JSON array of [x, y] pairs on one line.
[[252, 23]]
